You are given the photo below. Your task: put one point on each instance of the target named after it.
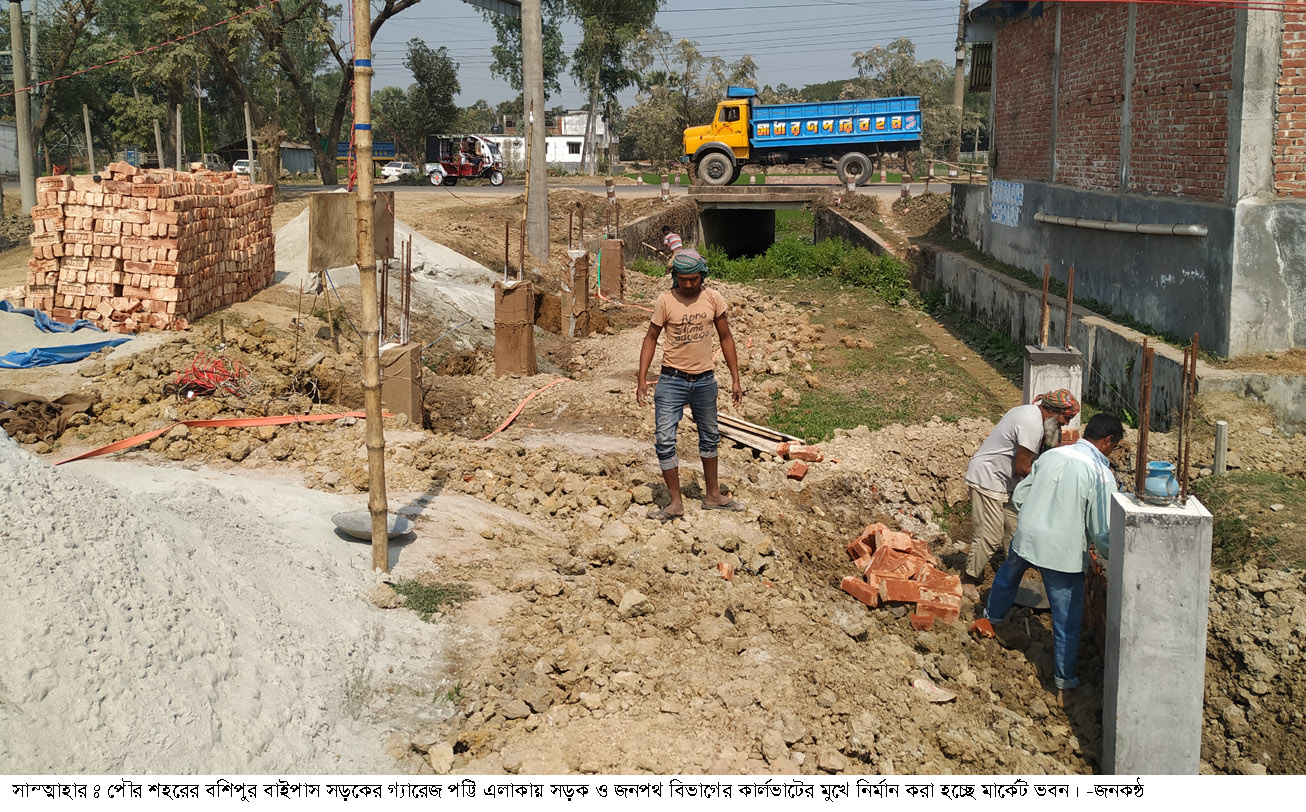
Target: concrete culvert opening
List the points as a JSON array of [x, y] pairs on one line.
[[739, 232]]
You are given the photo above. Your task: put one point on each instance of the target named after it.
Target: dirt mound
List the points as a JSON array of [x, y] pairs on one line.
[[1255, 682], [918, 215], [856, 206]]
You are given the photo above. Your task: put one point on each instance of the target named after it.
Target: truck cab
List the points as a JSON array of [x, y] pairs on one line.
[[726, 137]]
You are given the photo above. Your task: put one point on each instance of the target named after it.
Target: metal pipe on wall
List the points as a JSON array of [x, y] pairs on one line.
[[1172, 229]]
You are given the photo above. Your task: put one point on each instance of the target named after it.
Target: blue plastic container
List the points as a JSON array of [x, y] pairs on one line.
[[1161, 488]]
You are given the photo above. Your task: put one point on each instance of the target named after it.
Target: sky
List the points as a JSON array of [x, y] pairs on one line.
[[794, 42]]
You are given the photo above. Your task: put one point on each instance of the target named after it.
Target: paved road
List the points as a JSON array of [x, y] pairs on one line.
[[514, 188]]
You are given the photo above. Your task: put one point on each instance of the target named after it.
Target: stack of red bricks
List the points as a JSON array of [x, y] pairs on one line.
[[147, 248], [898, 569], [801, 455]]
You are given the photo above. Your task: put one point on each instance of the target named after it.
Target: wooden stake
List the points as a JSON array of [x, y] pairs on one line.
[[376, 498], [180, 168], [521, 269], [1043, 309], [90, 148], [158, 144], [385, 298], [222, 331], [1070, 304], [299, 319]]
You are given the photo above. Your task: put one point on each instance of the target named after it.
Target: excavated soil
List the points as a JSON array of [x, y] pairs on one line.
[[598, 640]]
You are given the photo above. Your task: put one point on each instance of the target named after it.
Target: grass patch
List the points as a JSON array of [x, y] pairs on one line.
[[427, 599], [1246, 529], [797, 223], [648, 267], [824, 410], [837, 260]]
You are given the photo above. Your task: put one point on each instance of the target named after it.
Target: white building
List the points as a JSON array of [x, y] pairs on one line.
[[562, 146]]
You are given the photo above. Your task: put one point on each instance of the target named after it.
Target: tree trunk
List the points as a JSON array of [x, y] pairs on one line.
[[587, 147]]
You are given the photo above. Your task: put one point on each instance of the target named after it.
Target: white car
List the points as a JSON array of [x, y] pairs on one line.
[[398, 169], [242, 166]]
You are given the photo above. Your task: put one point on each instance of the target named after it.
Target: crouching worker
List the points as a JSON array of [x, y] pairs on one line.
[[1064, 505], [687, 314]]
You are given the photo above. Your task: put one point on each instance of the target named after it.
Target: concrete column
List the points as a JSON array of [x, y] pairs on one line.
[[1049, 368], [1159, 577], [612, 269], [576, 296]]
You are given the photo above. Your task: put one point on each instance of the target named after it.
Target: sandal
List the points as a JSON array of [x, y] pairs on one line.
[[663, 516], [734, 505]]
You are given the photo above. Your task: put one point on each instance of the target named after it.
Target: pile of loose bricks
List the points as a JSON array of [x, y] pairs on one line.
[[801, 455], [131, 249], [899, 569]]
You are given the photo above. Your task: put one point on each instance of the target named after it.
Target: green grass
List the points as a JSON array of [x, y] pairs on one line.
[[427, 599], [798, 223], [837, 260], [1246, 529], [824, 410], [648, 267]]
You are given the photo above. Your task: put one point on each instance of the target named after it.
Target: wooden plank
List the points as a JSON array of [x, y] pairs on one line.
[[333, 229]]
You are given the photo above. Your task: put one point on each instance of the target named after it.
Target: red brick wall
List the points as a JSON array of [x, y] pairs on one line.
[[1290, 140], [1182, 77], [1090, 95], [1022, 131]]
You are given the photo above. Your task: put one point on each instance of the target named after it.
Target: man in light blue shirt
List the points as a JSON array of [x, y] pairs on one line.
[[1065, 505]]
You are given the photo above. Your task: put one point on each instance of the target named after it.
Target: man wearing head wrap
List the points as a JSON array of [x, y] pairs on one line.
[[687, 314], [1001, 462]]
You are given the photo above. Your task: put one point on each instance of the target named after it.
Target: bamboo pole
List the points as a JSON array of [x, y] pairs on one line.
[[299, 319], [249, 147], [158, 144], [376, 496], [521, 268], [180, 168]]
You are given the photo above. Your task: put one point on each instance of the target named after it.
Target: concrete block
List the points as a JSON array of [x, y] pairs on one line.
[[1159, 577], [1049, 368]]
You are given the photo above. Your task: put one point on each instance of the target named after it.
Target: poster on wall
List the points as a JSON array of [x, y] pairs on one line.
[[1005, 200]]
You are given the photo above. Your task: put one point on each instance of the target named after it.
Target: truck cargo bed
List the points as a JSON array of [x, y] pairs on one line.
[[846, 123]]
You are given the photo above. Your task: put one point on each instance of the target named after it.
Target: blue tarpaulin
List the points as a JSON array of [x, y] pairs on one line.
[[46, 356]]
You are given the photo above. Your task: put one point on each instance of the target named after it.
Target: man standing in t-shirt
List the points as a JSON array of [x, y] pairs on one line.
[[1001, 462], [688, 313]]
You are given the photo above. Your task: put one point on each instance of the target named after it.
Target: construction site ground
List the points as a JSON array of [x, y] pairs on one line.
[[190, 608]]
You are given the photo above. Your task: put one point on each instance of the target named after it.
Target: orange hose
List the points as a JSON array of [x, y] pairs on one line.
[[623, 304], [521, 406]]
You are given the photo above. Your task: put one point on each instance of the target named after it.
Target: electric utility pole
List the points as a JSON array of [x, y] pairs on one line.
[[537, 188], [22, 107], [958, 83], [376, 500]]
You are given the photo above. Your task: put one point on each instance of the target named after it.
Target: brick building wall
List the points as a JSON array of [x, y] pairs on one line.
[[1290, 138], [1182, 77], [1023, 119], [1090, 95]]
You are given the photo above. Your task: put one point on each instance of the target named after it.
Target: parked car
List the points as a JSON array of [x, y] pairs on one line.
[[211, 162], [398, 169], [242, 166]]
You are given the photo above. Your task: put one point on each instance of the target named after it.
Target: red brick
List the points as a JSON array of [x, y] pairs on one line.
[[893, 564], [922, 623], [860, 590], [928, 595], [798, 471], [921, 549], [938, 611], [868, 534], [863, 564], [933, 578], [806, 453], [1069, 436], [893, 540], [727, 571], [858, 549], [899, 590]]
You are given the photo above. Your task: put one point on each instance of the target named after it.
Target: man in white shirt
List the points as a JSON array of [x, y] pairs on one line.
[[1001, 462]]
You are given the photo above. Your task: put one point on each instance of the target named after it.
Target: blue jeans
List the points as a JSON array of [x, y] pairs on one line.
[[1065, 598], [670, 397]]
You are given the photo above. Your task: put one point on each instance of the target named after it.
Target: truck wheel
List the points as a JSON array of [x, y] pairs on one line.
[[450, 180], [734, 176], [496, 177], [715, 169], [854, 168]]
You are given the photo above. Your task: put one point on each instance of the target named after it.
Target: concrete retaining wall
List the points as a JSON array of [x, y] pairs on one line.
[[832, 224], [682, 216]]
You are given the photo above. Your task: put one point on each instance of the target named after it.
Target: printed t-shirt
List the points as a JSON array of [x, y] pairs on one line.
[[672, 242], [992, 466], [687, 329]]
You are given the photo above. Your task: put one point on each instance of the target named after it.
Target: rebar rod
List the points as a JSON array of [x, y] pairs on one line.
[[1144, 421], [1188, 420], [507, 239]]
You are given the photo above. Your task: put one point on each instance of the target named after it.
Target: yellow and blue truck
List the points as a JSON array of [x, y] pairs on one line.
[[844, 133]]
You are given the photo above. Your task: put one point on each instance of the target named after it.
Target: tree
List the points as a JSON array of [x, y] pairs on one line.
[[397, 117], [476, 118], [436, 78], [600, 64]]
